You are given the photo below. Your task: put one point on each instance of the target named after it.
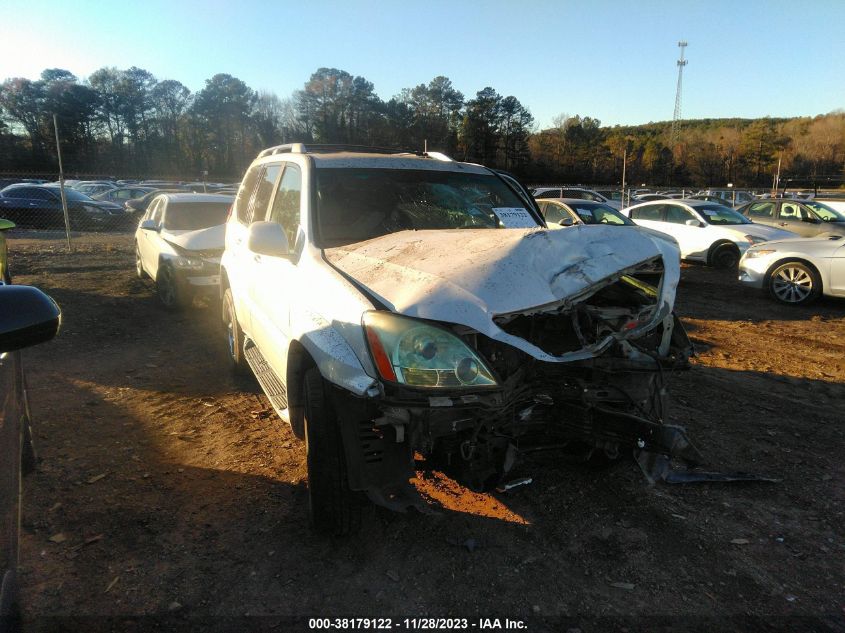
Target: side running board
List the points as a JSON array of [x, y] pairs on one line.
[[269, 381]]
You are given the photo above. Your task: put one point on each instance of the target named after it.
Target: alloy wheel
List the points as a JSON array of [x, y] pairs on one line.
[[792, 284]]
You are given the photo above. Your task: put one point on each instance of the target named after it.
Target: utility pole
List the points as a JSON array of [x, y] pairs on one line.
[[62, 182], [676, 117]]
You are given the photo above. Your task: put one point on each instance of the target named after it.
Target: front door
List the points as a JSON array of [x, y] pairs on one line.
[[275, 282], [794, 217]]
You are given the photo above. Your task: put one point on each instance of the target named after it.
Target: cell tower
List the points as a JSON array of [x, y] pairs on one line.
[[676, 118]]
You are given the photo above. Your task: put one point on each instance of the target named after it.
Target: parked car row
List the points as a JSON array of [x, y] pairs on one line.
[[759, 237]]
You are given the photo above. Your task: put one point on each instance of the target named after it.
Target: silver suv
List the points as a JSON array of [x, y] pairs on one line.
[[397, 304]]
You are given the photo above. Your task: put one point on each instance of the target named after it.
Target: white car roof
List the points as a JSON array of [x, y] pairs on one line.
[[363, 160]]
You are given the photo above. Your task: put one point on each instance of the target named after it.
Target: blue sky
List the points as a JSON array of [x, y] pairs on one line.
[[611, 60]]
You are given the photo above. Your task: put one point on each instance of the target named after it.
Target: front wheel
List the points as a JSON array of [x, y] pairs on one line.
[[139, 265], [333, 508], [794, 283], [172, 297], [234, 335], [725, 257]]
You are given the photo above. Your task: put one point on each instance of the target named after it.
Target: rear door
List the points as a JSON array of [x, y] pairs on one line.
[[764, 212], [651, 216]]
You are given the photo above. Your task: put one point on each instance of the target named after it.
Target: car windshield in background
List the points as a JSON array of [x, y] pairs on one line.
[[718, 214], [190, 216], [826, 213], [599, 214], [354, 205]]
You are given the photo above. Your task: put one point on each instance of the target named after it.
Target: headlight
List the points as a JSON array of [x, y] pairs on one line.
[[417, 354], [187, 262], [751, 254], [756, 239], [95, 210]]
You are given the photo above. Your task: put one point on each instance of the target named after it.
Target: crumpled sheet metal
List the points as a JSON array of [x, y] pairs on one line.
[[657, 465]]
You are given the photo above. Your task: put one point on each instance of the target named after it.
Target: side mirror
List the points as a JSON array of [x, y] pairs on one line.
[[567, 222], [149, 225], [692, 223], [268, 238], [27, 317]]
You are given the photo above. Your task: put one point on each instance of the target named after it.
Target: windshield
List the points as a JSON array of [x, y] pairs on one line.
[[190, 216], [599, 214], [354, 205], [718, 214], [825, 213]]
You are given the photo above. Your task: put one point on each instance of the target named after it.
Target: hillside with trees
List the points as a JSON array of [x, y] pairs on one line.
[[128, 123]]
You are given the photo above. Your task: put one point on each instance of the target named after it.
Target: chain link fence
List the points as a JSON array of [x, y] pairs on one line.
[[89, 203]]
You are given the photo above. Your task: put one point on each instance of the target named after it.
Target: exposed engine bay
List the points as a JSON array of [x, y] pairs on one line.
[[606, 406]]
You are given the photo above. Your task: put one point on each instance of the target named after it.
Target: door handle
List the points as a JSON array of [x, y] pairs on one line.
[[781, 223]]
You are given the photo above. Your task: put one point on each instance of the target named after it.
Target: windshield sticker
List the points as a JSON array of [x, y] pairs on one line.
[[515, 217]]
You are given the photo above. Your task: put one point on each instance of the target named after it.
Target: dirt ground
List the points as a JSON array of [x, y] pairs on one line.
[[171, 496]]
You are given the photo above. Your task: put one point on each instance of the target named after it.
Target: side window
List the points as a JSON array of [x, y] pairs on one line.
[[158, 211], [761, 210], [790, 211], [264, 191], [245, 194], [553, 213], [807, 215], [677, 215], [551, 193], [648, 212], [286, 203]]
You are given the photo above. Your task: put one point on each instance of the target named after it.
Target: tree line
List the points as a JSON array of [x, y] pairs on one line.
[[129, 123]]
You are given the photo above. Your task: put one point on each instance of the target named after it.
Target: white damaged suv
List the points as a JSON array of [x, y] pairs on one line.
[[393, 304]]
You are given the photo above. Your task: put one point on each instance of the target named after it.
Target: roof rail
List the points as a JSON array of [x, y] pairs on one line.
[[301, 148]]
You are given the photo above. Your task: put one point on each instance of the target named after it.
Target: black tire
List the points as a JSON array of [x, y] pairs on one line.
[[171, 296], [332, 507], [139, 266], [234, 335], [725, 257], [794, 283]]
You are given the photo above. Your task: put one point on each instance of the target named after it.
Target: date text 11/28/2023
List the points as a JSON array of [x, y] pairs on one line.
[[416, 624]]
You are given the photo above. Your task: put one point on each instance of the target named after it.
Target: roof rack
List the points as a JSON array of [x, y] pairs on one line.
[[301, 148]]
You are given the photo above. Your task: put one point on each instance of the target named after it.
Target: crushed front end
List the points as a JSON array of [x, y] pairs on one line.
[[596, 382]]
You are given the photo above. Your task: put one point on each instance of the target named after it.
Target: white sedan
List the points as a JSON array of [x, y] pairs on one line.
[[796, 271], [178, 245], [706, 232]]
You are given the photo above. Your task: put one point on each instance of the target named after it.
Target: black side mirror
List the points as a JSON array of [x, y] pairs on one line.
[[27, 317]]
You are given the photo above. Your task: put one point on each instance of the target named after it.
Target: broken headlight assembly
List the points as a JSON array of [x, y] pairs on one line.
[[419, 354]]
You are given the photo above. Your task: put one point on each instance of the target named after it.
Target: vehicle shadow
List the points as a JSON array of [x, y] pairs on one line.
[[707, 293]]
